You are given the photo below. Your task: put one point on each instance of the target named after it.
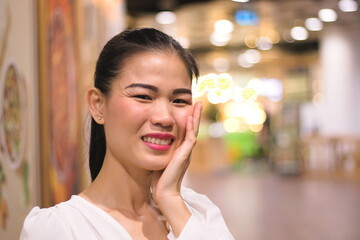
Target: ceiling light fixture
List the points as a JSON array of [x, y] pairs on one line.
[[224, 26], [348, 5], [327, 15], [251, 41], [287, 36], [264, 43], [313, 24], [220, 39], [273, 36], [243, 62], [299, 33], [165, 17], [246, 17], [252, 56]]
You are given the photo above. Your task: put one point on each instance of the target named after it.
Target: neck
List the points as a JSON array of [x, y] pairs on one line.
[[118, 188]]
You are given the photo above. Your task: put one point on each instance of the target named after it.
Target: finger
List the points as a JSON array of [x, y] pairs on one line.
[[172, 176], [184, 150], [196, 117], [182, 154], [190, 136]]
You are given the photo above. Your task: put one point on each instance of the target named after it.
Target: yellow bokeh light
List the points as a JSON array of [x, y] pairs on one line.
[[243, 127], [206, 82], [251, 41], [232, 125], [236, 94], [249, 95], [256, 128], [220, 89], [257, 85], [224, 81], [273, 36], [216, 96], [213, 99], [255, 116], [234, 109]]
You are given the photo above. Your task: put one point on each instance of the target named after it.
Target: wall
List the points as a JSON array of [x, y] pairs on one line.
[[340, 54], [18, 189], [22, 170]]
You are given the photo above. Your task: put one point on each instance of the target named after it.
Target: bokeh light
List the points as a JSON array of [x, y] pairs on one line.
[[223, 26], [264, 43], [165, 17], [327, 15], [313, 24], [251, 41], [348, 5], [232, 125], [220, 39], [216, 130], [299, 33]]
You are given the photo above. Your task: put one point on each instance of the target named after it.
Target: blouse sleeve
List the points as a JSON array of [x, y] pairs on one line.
[[44, 224], [206, 221]]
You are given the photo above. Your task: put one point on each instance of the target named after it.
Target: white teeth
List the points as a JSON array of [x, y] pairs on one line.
[[157, 140]]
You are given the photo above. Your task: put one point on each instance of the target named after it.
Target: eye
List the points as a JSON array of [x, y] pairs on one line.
[[143, 97], [181, 101]]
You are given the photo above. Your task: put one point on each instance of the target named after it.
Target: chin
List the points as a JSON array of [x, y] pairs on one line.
[[156, 162], [157, 166]]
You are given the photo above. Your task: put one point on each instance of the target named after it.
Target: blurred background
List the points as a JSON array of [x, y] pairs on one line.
[[279, 144]]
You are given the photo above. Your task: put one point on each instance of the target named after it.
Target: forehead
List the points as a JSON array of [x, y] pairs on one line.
[[156, 68]]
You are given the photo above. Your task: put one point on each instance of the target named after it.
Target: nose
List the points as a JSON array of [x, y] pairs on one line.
[[161, 116]]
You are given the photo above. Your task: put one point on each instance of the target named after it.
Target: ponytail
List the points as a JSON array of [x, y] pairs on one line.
[[97, 148]]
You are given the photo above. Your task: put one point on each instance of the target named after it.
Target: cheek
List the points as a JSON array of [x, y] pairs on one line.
[[181, 118], [125, 113]]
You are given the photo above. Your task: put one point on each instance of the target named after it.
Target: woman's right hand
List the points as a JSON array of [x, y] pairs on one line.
[[166, 184]]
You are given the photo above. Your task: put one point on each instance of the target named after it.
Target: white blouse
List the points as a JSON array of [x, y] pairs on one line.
[[78, 219]]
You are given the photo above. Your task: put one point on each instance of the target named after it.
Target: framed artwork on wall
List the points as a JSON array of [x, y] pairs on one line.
[[18, 139], [59, 100], [12, 116]]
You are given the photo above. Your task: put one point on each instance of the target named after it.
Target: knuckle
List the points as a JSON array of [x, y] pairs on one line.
[[193, 140]]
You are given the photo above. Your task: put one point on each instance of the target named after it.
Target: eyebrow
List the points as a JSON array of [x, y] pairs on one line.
[[156, 89], [142, 85], [182, 91]]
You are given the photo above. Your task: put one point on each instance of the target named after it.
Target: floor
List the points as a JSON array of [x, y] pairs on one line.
[[268, 206]]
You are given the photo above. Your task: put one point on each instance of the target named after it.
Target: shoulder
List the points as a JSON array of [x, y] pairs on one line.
[[190, 193], [199, 204], [46, 223], [191, 197], [206, 221]]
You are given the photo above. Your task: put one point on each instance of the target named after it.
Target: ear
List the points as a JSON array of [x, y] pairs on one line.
[[96, 103]]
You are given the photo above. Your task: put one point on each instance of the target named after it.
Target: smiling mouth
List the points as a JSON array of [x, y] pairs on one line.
[[158, 141]]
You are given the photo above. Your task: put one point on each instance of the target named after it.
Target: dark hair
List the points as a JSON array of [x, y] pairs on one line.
[[109, 66]]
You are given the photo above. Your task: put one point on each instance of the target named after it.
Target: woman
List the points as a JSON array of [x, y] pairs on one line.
[[143, 129]]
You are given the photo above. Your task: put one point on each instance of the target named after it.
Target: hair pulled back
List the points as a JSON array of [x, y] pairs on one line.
[[110, 64]]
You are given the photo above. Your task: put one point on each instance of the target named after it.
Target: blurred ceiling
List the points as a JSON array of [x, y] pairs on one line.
[[195, 19], [135, 7]]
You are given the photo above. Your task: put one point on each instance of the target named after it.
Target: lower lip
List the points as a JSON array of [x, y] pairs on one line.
[[157, 146]]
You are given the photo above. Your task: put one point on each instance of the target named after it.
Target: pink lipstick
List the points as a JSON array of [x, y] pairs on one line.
[[158, 141]]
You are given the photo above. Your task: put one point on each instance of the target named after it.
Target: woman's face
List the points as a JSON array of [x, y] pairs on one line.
[[146, 111]]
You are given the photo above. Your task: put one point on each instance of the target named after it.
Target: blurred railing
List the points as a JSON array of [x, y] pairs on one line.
[[331, 154]]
